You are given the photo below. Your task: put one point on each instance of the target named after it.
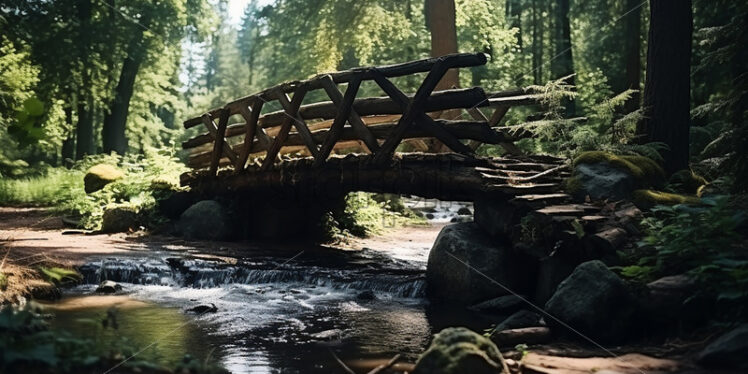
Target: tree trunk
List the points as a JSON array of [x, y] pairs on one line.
[[514, 19], [115, 122], [84, 131], [537, 45], [84, 128], [440, 17], [668, 85], [68, 145], [563, 64], [632, 36]]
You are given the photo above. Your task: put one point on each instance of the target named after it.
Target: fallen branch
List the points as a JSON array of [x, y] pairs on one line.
[[386, 366]]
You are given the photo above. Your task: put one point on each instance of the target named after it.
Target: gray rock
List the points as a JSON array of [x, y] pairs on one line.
[[465, 265], [120, 218], [603, 181], [518, 320], [108, 286], [464, 211], [728, 351], [497, 217], [458, 350], [207, 220], [594, 301], [203, 308], [366, 295], [502, 305]]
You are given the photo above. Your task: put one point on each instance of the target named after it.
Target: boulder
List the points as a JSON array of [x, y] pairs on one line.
[[206, 220], [366, 295], [108, 286], [497, 217], [728, 351], [594, 301], [465, 266], [458, 350], [203, 308], [502, 305], [518, 320], [45, 291], [602, 181], [120, 218], [464, 211], [99, 176]]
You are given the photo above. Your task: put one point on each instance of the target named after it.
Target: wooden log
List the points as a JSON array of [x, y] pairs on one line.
[[610, 240], [220, 141], [301, 126], [345, 113], [413, 111], [450, 61], [527, 335], [275, 147], [459, 129], [249, 135]]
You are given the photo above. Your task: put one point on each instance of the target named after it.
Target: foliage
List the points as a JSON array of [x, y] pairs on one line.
[[58, 275], [52, 186], [27, 344], [701, 241]]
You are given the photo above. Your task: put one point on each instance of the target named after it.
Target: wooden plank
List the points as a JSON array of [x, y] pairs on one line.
[[299, 124], [213, 129], [345, 112], [285, 128], [251, 129], [220, 141], [351, 115]]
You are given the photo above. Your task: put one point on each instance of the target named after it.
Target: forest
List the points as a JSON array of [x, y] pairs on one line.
[[500, 186]]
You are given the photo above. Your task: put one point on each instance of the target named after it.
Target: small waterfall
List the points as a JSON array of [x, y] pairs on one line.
[[196, 273]]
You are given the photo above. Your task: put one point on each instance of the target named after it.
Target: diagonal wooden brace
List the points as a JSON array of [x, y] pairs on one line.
[[298, 123], [251, 116], [220, 146], [285, 127], [421, 118], [353, 118], [345, 112]]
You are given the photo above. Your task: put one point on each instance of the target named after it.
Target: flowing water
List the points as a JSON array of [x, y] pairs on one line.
[[276, 313]]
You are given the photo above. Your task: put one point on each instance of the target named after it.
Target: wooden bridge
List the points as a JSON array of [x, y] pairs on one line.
[[350, 144]]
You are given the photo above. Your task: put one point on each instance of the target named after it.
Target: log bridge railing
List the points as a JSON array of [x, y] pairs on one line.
[[376, 125]]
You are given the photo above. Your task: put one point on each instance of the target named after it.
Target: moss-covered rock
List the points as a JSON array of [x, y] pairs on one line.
[[459, 350], [120, 218], [686, 181], [207, 220], [99, 176], [645, 199], [645, 170]]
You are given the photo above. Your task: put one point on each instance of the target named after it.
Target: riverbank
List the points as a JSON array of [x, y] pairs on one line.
[[308, 305]]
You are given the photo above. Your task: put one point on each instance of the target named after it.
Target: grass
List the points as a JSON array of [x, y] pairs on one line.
[[51, 188]]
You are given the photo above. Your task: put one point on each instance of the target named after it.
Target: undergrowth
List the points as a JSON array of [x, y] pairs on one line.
[[702, 241]]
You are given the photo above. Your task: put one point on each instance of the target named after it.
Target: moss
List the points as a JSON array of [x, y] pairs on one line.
[[459, 350], [645, 170], [99, 176], [572, 185], [686, 181], [120, 218], [648, 198]]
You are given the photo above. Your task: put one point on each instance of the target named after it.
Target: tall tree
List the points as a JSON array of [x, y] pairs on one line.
[[85, 127], [563, 63], [632, 35], [440, 18], [667, 87]]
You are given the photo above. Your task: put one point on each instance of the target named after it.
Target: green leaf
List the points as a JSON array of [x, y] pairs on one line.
[[33, 106]]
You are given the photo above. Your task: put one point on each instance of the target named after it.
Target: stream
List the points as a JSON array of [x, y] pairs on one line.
[[282, 312]]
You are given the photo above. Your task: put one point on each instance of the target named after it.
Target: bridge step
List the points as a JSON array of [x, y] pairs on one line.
[[569, 209]]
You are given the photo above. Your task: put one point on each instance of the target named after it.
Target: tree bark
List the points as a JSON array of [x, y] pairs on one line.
[[68, 145], [84, 128], [115, 123], [563, 63], [668, 85], [441, 22], [632, 36]]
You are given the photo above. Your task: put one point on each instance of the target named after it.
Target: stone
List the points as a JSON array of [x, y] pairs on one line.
[[46, 291], [520, 319], [603, 181], [728, 351], [108, 286], [667, 294], [99, 176], [497, 217], [465, 266], [552, 270], [594, 301], [525, 335], [119, 218], [458, 350], [203, 308], [464, 211], [205, 220], [176, 203], [502, 305], [366, 295]]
